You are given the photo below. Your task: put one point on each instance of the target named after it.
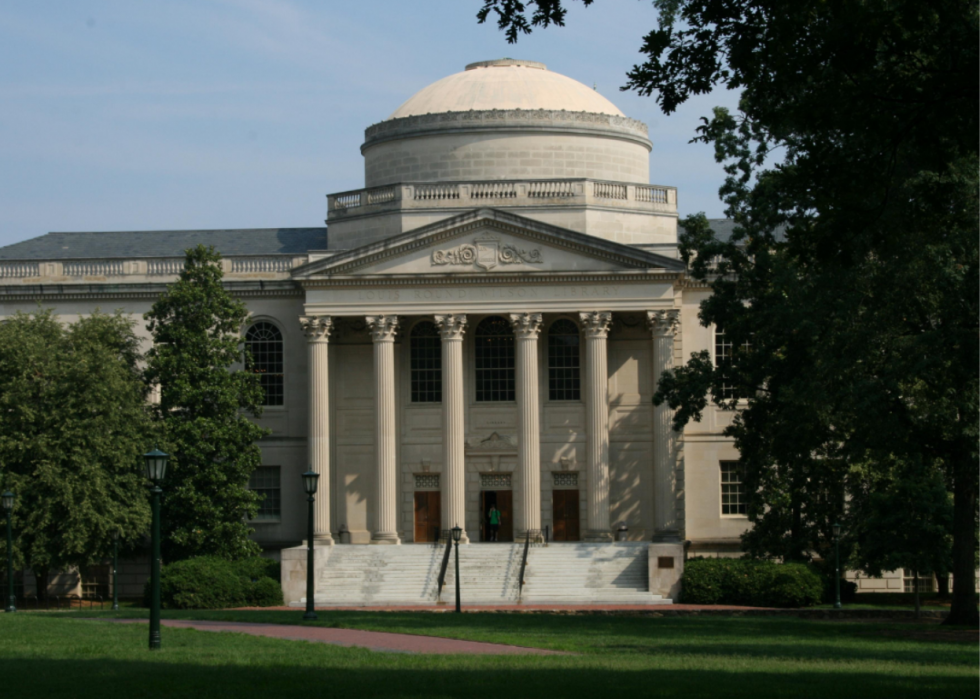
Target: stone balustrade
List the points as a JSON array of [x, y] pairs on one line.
[[239, 268], [503, 193]]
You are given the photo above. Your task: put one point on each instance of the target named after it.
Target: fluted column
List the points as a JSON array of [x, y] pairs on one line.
[[451, 327], [383, 330], [528, 511], [317, 331], [596, 327], [663, 325]]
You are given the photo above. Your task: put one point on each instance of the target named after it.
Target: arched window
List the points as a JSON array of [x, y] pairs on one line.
[[426, 360], [264, 341], [564, 374], [494, 360]]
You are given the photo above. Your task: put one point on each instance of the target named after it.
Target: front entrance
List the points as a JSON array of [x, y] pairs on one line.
[[428, 515], [566, 508], [503, 500]]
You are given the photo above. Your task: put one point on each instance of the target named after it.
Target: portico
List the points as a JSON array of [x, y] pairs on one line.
[[501, 407]]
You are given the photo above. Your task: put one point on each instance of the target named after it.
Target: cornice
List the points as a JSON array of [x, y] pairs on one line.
[[84, 292], [589, 123], [484, 278]]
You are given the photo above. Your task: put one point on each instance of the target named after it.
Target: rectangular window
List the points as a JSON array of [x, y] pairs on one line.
[[265, 482], [732, 490], [723, 353], [908, 581]]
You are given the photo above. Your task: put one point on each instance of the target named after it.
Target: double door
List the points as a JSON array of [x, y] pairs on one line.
[[566, 515], [428, 515], [503, 501]]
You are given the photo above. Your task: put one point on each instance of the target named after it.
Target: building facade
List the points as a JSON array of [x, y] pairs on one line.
[[482, 325]]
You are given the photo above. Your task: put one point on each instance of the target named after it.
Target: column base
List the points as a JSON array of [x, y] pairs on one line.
[[598, 536], [386, 538], [323, 540]]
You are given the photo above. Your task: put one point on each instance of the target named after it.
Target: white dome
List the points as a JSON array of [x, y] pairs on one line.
[[505, 84]]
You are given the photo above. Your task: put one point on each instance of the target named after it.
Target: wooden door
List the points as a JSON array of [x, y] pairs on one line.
[[566, 508], [428, 515], [505, 505], [503, 499]]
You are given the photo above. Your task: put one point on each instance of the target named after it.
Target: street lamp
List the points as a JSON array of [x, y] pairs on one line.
[[310, 480], [457, 534], [156, 469], [837, 561], [115, 571], [8, 507]]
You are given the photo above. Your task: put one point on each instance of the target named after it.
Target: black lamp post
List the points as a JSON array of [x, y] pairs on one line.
[[457, 533], [8, 507], [310, 480], [156, 469], [115, 571], [837, 562]]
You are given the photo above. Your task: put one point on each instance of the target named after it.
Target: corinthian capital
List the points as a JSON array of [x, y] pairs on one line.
[[316, 328], [382, 328], [596, 323], [451, 327], [663, 323], [526, 325]]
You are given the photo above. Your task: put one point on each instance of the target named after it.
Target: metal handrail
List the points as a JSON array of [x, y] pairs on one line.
[[445, 564], [520, 577]]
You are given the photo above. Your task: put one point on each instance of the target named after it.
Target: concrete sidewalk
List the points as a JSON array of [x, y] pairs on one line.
[[373, 640]]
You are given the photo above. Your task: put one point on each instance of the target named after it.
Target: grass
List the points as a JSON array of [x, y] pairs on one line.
[[74, 654]]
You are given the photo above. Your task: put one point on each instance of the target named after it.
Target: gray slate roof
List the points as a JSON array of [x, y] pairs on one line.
[[137, 244]]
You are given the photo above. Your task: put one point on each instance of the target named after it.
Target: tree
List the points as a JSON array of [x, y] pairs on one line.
[[73, 426], [852, 273], [196, 326]]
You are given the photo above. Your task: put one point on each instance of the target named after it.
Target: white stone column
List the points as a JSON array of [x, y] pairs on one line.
[[317, 331], [383, 330], [663, 325], [596, 327], [451, 327], [528, 510]]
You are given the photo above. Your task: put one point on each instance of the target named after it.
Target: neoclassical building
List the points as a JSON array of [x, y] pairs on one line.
[[482, 325]]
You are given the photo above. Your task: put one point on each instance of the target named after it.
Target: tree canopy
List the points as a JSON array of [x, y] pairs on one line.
[[849, 286], [73, 426], [204, 402]]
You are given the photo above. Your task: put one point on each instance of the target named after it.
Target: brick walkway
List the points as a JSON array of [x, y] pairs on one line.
[[374, 640]]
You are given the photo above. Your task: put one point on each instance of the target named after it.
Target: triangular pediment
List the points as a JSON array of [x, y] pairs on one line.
[[487, 242]]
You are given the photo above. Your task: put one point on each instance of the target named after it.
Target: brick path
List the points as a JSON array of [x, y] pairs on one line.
[[374, 640]]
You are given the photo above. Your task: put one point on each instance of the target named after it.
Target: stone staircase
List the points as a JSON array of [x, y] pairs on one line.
[[580, 573], [572, 573]]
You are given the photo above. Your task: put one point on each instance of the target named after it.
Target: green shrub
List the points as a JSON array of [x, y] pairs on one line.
[[750, 583], [208, 582]]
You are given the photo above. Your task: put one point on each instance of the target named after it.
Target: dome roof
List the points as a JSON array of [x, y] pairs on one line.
[[505, 84]]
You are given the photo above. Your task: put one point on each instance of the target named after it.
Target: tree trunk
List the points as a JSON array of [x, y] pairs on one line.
[[918, 608], [943, 582], [41, 583], [963, 610]]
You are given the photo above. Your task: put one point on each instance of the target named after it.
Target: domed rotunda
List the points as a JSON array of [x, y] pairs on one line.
[[509, 134]]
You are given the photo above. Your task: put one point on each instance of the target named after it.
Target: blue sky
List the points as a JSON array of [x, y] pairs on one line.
[[164, 114]]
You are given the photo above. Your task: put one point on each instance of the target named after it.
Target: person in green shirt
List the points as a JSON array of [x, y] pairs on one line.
[[494, 517]]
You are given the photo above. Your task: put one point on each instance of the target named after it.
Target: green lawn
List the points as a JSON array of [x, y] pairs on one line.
[[65, 654]]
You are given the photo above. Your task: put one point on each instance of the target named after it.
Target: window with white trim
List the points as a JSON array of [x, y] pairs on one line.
[[732, 490], [264, 342], [264, 481]]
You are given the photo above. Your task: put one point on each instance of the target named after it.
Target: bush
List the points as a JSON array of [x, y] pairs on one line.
[[750, 583], [208, 582]]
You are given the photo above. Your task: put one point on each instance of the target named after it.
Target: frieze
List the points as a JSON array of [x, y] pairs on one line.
[[486, 253]]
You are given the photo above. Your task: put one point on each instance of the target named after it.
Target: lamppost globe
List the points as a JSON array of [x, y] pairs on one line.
[[156, 465], [310, 481], [836, 530], [8, 501], [457, 533]]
